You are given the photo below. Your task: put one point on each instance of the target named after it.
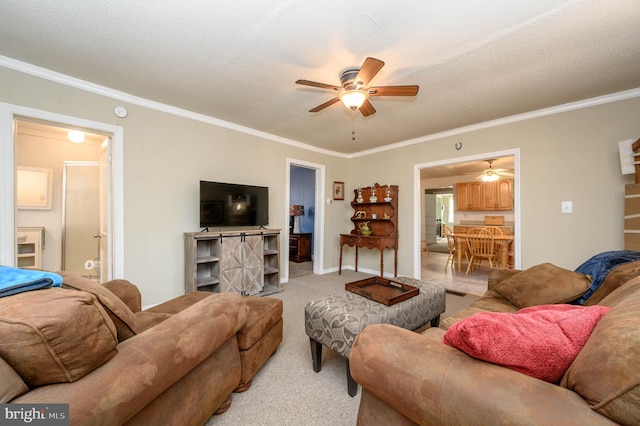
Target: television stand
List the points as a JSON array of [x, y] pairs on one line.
[[238, 261]]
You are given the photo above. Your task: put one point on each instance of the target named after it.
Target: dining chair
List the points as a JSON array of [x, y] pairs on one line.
[[424, 246], [481, 246], [453, 249], [451, 245], [494, 230]]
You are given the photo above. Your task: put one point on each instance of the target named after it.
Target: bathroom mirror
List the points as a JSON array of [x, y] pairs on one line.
[[33, 188]]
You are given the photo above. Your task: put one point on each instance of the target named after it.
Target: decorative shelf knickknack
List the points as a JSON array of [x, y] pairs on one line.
[[375, 223]]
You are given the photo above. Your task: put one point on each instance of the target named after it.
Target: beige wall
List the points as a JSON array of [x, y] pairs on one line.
[[570, 156], [165, 156]]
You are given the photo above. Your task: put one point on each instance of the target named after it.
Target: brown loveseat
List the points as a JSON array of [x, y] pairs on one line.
[[410, 378], [176, 363]]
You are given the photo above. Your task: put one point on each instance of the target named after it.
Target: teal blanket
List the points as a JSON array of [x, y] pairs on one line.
[[16, 280]]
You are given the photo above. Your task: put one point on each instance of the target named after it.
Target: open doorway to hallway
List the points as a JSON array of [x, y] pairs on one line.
[[305, 212], [301, 220], [436, 190]]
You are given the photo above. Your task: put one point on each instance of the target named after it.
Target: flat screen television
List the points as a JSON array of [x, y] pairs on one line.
[[229, 204]]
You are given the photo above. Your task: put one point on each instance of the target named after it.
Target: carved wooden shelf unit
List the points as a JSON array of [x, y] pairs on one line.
[[384, 227]]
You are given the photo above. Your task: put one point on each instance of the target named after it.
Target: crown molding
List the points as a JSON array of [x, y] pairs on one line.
[[558, 109], [87, 86]]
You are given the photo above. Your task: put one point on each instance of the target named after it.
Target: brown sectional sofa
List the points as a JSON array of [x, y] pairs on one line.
[[410, 378], [92, 347]]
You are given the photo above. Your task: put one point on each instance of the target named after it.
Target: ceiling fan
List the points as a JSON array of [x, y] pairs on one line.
[[491, 174], [354, 92]]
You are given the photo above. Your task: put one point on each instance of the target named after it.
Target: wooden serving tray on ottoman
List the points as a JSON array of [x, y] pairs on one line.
[[382, 290]]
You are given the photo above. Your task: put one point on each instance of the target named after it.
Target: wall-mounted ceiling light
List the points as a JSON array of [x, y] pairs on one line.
[[76, 136], [353, 99]]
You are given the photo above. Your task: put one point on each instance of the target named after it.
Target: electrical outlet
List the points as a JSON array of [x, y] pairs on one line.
[[567, 207]]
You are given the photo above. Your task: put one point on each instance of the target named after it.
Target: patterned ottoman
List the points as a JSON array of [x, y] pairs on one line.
[[335, 321]]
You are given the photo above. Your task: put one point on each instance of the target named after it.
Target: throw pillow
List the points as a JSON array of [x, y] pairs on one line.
[[541, 341], [125, 321], [55, 335], [542, 285]]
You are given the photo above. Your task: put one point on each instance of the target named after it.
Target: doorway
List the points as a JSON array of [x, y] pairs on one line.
[[438, 213], [111, 174], [305, 211], [445, 174]]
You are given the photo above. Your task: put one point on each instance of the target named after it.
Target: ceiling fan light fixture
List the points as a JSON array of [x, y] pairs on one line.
[[490, 177], [353, 99]]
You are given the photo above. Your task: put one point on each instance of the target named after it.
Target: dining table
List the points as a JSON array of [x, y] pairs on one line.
[[502, 241]]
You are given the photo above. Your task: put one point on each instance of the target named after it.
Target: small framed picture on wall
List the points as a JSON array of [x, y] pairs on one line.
[[338, 190]]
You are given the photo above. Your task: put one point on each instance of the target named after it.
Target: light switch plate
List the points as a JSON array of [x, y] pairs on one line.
[[567, 207]]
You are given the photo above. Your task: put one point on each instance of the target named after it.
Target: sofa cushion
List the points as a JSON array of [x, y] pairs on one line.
[[489, 302], [55, 335], [11, 384], [540, 341], [606, 373], [542, 285], [124, 319], [264, 313]]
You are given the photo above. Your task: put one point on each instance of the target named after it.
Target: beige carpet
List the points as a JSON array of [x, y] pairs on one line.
[[286, 391], [300, 269]]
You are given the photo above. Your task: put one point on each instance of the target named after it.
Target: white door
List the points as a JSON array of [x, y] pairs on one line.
[[81, 218], [106, 261], [430, 218]]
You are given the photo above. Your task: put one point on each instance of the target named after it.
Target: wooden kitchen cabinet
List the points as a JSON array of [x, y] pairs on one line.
[[497, 195], [469, 195], [485, 196]]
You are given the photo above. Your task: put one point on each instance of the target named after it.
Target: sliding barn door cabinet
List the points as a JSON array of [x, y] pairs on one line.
[[243, 262]]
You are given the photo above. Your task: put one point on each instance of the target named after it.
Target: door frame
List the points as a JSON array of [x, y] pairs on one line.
[[417, 200], [9, 113], [318, 223]]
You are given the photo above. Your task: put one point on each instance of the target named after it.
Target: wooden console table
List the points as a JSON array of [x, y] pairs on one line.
[[370, 242]]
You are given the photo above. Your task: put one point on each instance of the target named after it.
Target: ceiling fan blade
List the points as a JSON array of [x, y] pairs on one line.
[[368, 70], [320, 85], [367, 109], [393, 90], [324, 105]]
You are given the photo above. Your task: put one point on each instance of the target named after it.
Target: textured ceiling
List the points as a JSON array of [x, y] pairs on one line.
[[473, 60]]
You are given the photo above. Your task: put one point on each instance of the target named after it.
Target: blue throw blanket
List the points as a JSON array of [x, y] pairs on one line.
[[16, 280], [600, 265]]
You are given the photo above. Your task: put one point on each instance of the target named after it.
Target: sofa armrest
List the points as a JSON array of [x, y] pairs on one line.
[[126, 292], [432, 383], [149, 363]]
